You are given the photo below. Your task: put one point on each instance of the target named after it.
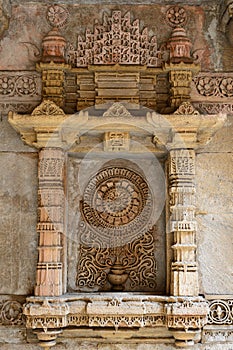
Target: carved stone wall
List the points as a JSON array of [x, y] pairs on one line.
[[134, 53]]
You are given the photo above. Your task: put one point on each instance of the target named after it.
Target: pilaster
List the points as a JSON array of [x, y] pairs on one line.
[[182, 225], [50, 222]]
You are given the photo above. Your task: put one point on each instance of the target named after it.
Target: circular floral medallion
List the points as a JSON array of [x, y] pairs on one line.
[[219, 312], [57, 15], [176, 16], [117, 201]]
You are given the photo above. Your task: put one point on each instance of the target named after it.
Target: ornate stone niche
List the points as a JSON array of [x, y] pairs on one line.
[[101, 228], [117, 234], [116, 196]]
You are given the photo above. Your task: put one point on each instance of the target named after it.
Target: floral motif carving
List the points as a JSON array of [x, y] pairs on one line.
[[116, 207], [47, 107], [220, 312], [57, 15], [186, 108], [19, 85], [11, 313], [137, 258], [116, 40], [117, 110], [114, 230], [221, 86], [176, 16]]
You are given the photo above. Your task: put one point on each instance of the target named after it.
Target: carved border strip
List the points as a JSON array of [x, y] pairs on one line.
[[218, 85]]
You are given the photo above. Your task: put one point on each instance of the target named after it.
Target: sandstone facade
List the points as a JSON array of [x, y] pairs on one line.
[[116, 182]]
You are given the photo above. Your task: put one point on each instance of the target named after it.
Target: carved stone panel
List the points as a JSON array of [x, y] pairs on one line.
[[114, 241]]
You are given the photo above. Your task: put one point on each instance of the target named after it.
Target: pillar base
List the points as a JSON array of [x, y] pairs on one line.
[[47, 338], [185, 339]]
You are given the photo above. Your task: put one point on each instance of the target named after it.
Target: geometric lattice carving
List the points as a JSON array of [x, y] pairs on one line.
[[137, 259], [116, 40]]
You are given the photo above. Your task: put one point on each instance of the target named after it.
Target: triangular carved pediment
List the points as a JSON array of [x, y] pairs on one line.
[[47, 107], [117, 111], [186, 108]]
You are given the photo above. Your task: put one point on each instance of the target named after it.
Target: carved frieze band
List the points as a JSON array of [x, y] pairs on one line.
[[214, 85], [19, 84], [19, 91]]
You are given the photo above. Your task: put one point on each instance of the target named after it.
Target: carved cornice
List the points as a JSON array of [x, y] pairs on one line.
[[49, 126]]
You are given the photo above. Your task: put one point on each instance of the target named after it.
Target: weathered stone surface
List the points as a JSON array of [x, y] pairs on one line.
[[12, 335], [215, 221], [18, 222], [33, 15], [71, 345], [222, 141], [10, 140]]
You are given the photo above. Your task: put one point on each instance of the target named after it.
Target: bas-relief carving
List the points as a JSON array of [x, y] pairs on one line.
[[20, 91], [183, 227], [116, 41], [115, 141], [11, 313]]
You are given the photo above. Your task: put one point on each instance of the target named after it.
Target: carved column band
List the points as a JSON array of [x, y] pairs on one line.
[[184, 275], [50, 222]]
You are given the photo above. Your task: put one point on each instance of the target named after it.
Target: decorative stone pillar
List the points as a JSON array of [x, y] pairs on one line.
[[50, 222], [180, 67], [184, 274]]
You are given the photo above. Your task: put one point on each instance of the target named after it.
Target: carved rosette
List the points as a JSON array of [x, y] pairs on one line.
[[184, 276], [50, 222], [116, 207]]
